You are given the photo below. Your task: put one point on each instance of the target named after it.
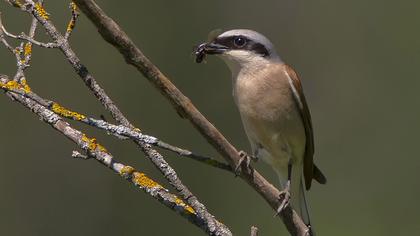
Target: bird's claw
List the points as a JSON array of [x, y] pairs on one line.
[[284, 197], [245, 158]]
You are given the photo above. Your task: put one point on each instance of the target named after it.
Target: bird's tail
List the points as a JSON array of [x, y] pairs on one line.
[[301, 206], [297, 193], [298, 197]]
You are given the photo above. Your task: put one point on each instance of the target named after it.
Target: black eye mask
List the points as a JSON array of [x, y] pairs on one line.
[[221, 44], [250, 45]]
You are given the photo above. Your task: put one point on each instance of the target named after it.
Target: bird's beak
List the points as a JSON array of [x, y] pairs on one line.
[[214, 48], [208, 48]]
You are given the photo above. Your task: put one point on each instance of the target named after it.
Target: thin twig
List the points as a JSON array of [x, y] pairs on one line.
[[76, 154], [25, 37], [15, 51], [73, 19], [254, 231], [23, 52]]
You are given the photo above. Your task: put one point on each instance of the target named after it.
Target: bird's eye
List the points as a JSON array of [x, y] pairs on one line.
[[239, 41]]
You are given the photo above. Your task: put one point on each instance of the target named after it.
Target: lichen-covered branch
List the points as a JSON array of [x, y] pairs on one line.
[[113, 34], [99, 153], [122, 131], [73, 19], [119, 131]]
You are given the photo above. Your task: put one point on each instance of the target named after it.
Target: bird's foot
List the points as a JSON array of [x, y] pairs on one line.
[[245, 159], [284, 199]]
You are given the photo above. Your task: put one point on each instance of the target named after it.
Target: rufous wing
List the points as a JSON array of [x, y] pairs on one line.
[[310, 171]]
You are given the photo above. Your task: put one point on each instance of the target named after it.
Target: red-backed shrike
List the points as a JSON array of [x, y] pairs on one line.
[[273, 109]]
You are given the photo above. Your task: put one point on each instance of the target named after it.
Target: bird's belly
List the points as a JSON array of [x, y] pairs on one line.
[[282, 137], [271, 117]]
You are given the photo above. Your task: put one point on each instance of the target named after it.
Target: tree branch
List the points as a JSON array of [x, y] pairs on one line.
[[119, 131], [113, 34]]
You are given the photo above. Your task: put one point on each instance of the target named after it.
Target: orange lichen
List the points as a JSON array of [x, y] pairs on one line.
[[41, 11], [188, 208], [92, 144], [66, 113], [14, 85], [28, 49]]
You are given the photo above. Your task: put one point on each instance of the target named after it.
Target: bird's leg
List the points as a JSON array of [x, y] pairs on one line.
[[284, 195], [245, 158], [310, 231]]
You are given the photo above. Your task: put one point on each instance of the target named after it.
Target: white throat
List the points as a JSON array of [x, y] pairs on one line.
[[246, 63]]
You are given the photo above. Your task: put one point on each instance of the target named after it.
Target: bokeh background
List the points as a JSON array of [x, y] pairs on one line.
[[359, 62]]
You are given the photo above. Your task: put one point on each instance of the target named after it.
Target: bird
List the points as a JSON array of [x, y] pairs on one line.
[[273, 110]]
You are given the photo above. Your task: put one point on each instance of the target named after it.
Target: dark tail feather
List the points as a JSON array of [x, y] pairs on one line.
[[318, 176]]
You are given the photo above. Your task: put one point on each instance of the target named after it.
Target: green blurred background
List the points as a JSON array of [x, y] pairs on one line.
[[359, 64]]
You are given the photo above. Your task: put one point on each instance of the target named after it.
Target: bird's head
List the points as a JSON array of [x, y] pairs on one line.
[[239, 48]]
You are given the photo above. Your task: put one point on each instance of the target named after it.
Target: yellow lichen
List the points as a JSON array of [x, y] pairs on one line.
[[14, 85], [71, 25], [142, 180], [28, 49], [10, 85], [25, 86], [74, 12], [17, 50], [16, 3], [126, 170], [189, 209], [41, 11], [181, 203], [92, 144], [73, 7], [66, 113]]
